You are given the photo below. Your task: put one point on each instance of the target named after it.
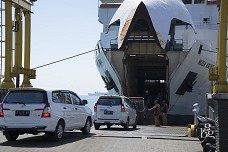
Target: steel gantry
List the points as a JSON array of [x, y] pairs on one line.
[[219, 98], [21, 7], [218, 73]]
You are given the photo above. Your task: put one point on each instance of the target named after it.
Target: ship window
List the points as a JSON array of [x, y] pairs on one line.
[[187, 1], [199, 1], [140, 32]]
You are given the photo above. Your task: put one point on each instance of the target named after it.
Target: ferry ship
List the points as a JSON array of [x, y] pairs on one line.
[[159, 50]]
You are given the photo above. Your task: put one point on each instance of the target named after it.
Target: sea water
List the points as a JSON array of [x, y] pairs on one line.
[[91, 100]]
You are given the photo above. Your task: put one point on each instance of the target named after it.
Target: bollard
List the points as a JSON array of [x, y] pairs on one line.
[[191, 130], [196, 112], [192, 127]]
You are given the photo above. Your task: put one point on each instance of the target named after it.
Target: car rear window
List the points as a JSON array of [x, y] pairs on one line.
[[109, 101], [26, 97]]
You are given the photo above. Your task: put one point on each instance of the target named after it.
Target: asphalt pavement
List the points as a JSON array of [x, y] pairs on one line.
[[143, 139]]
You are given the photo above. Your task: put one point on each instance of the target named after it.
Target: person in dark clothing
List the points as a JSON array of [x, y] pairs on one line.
[[164, 110], [156, 109]]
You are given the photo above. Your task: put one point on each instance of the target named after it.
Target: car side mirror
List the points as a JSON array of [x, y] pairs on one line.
[[84, 102]]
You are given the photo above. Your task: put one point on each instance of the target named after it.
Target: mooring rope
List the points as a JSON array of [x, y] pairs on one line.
[[64, 59]]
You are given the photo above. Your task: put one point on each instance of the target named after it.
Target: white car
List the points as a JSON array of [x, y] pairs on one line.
[[114, 110], [33, 110]]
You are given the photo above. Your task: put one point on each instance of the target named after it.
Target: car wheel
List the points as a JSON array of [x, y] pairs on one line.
[[10, 136], [59, 130], [86, 128], [97, 127], [127, 124]]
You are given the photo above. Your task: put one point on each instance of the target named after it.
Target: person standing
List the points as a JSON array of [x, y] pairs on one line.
[[156, 109], [164, 110]]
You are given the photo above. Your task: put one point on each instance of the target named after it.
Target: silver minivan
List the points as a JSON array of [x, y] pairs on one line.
[[114, 110]]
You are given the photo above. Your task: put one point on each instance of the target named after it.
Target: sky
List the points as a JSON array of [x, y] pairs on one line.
[[61, 29]]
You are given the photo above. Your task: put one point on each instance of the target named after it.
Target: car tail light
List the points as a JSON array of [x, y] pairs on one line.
[[1, 110], [95, 107], [122, 108], [47, 111]]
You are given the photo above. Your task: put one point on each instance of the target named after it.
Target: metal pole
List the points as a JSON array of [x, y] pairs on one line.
[[18, 43], [1, 42], [222, 40], [26, 81], [7, 82], [220, 90], [221, 86], [18, 38]]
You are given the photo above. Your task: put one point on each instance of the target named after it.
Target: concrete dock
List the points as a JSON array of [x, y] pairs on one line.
[[142, 139]]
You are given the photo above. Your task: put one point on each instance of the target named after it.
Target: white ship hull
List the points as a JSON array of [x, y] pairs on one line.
[[152, 66]]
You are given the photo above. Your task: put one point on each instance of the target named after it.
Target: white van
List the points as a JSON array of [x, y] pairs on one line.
[[32, 110], [114, 110]]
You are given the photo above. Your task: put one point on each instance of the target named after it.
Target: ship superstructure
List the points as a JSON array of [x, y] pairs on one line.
[[158, 49]]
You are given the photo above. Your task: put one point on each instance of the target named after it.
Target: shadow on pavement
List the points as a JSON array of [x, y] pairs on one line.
[[113, 128], [138, 137], [45, 141]]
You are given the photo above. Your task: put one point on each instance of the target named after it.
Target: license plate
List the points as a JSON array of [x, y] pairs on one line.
[[22, 113], [108, 112]]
